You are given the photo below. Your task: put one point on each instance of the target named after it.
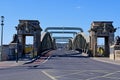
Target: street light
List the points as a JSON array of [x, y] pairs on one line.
[[2, 24]]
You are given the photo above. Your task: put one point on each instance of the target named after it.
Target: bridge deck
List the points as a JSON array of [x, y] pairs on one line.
[[71, 65]]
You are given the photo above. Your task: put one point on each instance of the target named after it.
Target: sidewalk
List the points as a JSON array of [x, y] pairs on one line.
[[104, 59], [8, 64], [107, 60]]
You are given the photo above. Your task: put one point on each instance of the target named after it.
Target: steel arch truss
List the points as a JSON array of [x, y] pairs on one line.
[[47, 42], [80, 43], [63, 30]]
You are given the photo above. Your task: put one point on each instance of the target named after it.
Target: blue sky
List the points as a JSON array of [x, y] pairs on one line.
[[78, 13]]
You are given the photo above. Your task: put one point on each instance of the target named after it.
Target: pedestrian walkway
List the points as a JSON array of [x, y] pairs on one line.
[[8, 64], [104, 59], [107, 60]]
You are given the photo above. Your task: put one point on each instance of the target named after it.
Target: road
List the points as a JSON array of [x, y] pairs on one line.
[[63, 66]]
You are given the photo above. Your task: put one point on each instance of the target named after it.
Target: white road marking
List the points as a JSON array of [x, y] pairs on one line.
[[111, 73], [105, 76], [46, 59], [79, 72], [51, 77]]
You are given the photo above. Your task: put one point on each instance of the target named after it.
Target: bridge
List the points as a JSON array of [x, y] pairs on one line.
[[69, 38], [62, 54]]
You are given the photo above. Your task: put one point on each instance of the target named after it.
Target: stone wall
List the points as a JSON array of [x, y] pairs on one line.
[[115, 52]]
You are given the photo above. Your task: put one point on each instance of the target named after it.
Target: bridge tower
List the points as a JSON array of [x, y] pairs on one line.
[[103, 29], [28, 28]]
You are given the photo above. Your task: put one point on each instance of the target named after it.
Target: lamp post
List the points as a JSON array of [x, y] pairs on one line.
[[2, 24]]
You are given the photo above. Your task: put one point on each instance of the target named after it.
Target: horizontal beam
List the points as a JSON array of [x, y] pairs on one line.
[[63, 28], [62, 37], [60, 32], [62, 40]]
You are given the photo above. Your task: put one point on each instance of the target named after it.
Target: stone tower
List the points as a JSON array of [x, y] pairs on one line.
[[101, 29], [28, 28]]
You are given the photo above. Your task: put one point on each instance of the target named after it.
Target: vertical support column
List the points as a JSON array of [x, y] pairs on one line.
[[111, 38], [23, 43], [90, 42], [107, 48], [36, 44], [95, 46], [93, 43], [20, 47], [39, 42]]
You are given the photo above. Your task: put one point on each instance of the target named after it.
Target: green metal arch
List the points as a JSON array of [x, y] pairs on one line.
[[46, 41], [70, 45], [80, 42], [63, 28]]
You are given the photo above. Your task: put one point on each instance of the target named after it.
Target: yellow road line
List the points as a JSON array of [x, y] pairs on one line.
[[51, 77]]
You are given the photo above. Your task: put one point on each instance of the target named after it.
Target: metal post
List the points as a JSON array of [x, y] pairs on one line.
[[17, 47], [2, 24]]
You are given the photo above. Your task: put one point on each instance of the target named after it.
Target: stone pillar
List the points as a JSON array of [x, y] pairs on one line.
[[21, 45], [111, 38], [29, 28], [106, 54], [102, 29], [95, 46], [37, 43], [93, 43]]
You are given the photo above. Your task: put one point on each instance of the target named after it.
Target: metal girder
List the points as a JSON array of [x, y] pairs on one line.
[[62, 40], [63, 28], [62, 32], [62, 37]]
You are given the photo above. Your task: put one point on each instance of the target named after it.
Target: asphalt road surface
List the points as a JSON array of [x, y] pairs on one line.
[[63, 65]]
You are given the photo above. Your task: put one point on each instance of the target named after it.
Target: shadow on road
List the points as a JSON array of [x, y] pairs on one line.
[[74, 55]]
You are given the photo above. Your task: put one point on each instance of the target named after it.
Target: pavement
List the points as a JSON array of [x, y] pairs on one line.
[[107, 60], [104, 59], [8, 64]]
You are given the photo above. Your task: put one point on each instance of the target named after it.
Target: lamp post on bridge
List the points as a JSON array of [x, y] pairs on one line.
[[1, 48]]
